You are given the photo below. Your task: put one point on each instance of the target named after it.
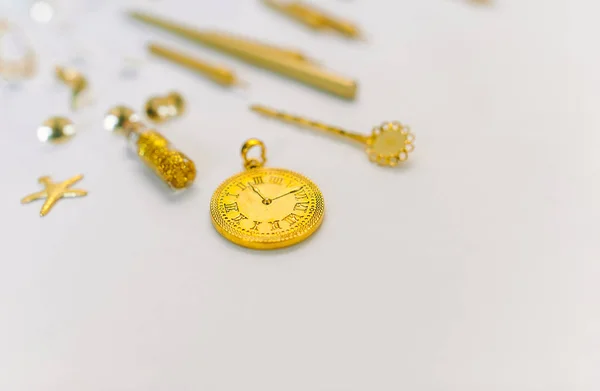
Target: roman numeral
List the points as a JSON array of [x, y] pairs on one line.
[[239, 218], [258, 180], [232, 195], [241, 186], [233, 207], [255, 227], [291, 219], [274, 225], [301, 206], [301, 195], [276, 180]]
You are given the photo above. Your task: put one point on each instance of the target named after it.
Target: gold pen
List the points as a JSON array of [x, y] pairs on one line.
[[264, 56]]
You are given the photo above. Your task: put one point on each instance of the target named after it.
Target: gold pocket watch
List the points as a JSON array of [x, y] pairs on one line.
[[266, 208]]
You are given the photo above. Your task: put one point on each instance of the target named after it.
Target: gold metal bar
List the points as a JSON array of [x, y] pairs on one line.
[[307, 123], [219, 74], [301, 71], [264, 48], [345, 27], [314, 17], [299, 13]]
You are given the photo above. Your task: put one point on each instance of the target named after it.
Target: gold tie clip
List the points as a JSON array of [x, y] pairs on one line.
[[284, 62], [388, 144]]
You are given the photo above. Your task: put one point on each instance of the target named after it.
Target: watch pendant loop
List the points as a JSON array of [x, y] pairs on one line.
[[250, 163]]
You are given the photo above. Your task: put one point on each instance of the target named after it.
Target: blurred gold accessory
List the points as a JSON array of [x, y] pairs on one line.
[[56, 130], [266, 208], [481, 2], [314, 18], [217, 73], [388, 144], [76, 81], [214, 39], [172, 166], [54, 192], [15, 66], [162, 108], [41, 11], [286, 63], [260, 47]]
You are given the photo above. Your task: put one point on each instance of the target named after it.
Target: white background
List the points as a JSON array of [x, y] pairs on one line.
[[473, 267]]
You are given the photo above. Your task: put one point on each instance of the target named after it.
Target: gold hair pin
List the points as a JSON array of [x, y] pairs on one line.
[[388, 144], [284, 62], [314, 18]]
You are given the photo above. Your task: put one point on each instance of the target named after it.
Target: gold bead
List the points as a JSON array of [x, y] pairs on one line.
[[162, 108], [121, 118], [56, 130]]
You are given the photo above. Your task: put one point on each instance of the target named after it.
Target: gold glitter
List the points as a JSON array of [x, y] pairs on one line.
[[172, 166]]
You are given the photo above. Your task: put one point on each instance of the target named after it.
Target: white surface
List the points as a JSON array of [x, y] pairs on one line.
[[475, 267]]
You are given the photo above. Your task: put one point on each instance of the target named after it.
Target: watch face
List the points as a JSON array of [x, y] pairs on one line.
[[267, 208]]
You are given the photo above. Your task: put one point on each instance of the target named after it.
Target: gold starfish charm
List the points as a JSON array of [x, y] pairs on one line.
[[54, 192]]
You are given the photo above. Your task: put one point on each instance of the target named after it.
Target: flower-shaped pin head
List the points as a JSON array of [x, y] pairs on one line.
[[390, 144]]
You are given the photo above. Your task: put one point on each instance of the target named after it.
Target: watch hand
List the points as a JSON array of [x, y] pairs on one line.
[[256, 191], [288, 193]]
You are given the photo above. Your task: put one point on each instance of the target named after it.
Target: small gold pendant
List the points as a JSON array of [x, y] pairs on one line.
[[388, 144], [266, 208], [76, 81], [54, 192]]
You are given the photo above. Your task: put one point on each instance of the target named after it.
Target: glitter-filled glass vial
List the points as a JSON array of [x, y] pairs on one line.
[[172, 166]]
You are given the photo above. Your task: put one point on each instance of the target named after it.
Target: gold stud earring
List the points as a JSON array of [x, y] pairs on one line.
[[162, 108], [388, 144], [56, 130], [173, 167]]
